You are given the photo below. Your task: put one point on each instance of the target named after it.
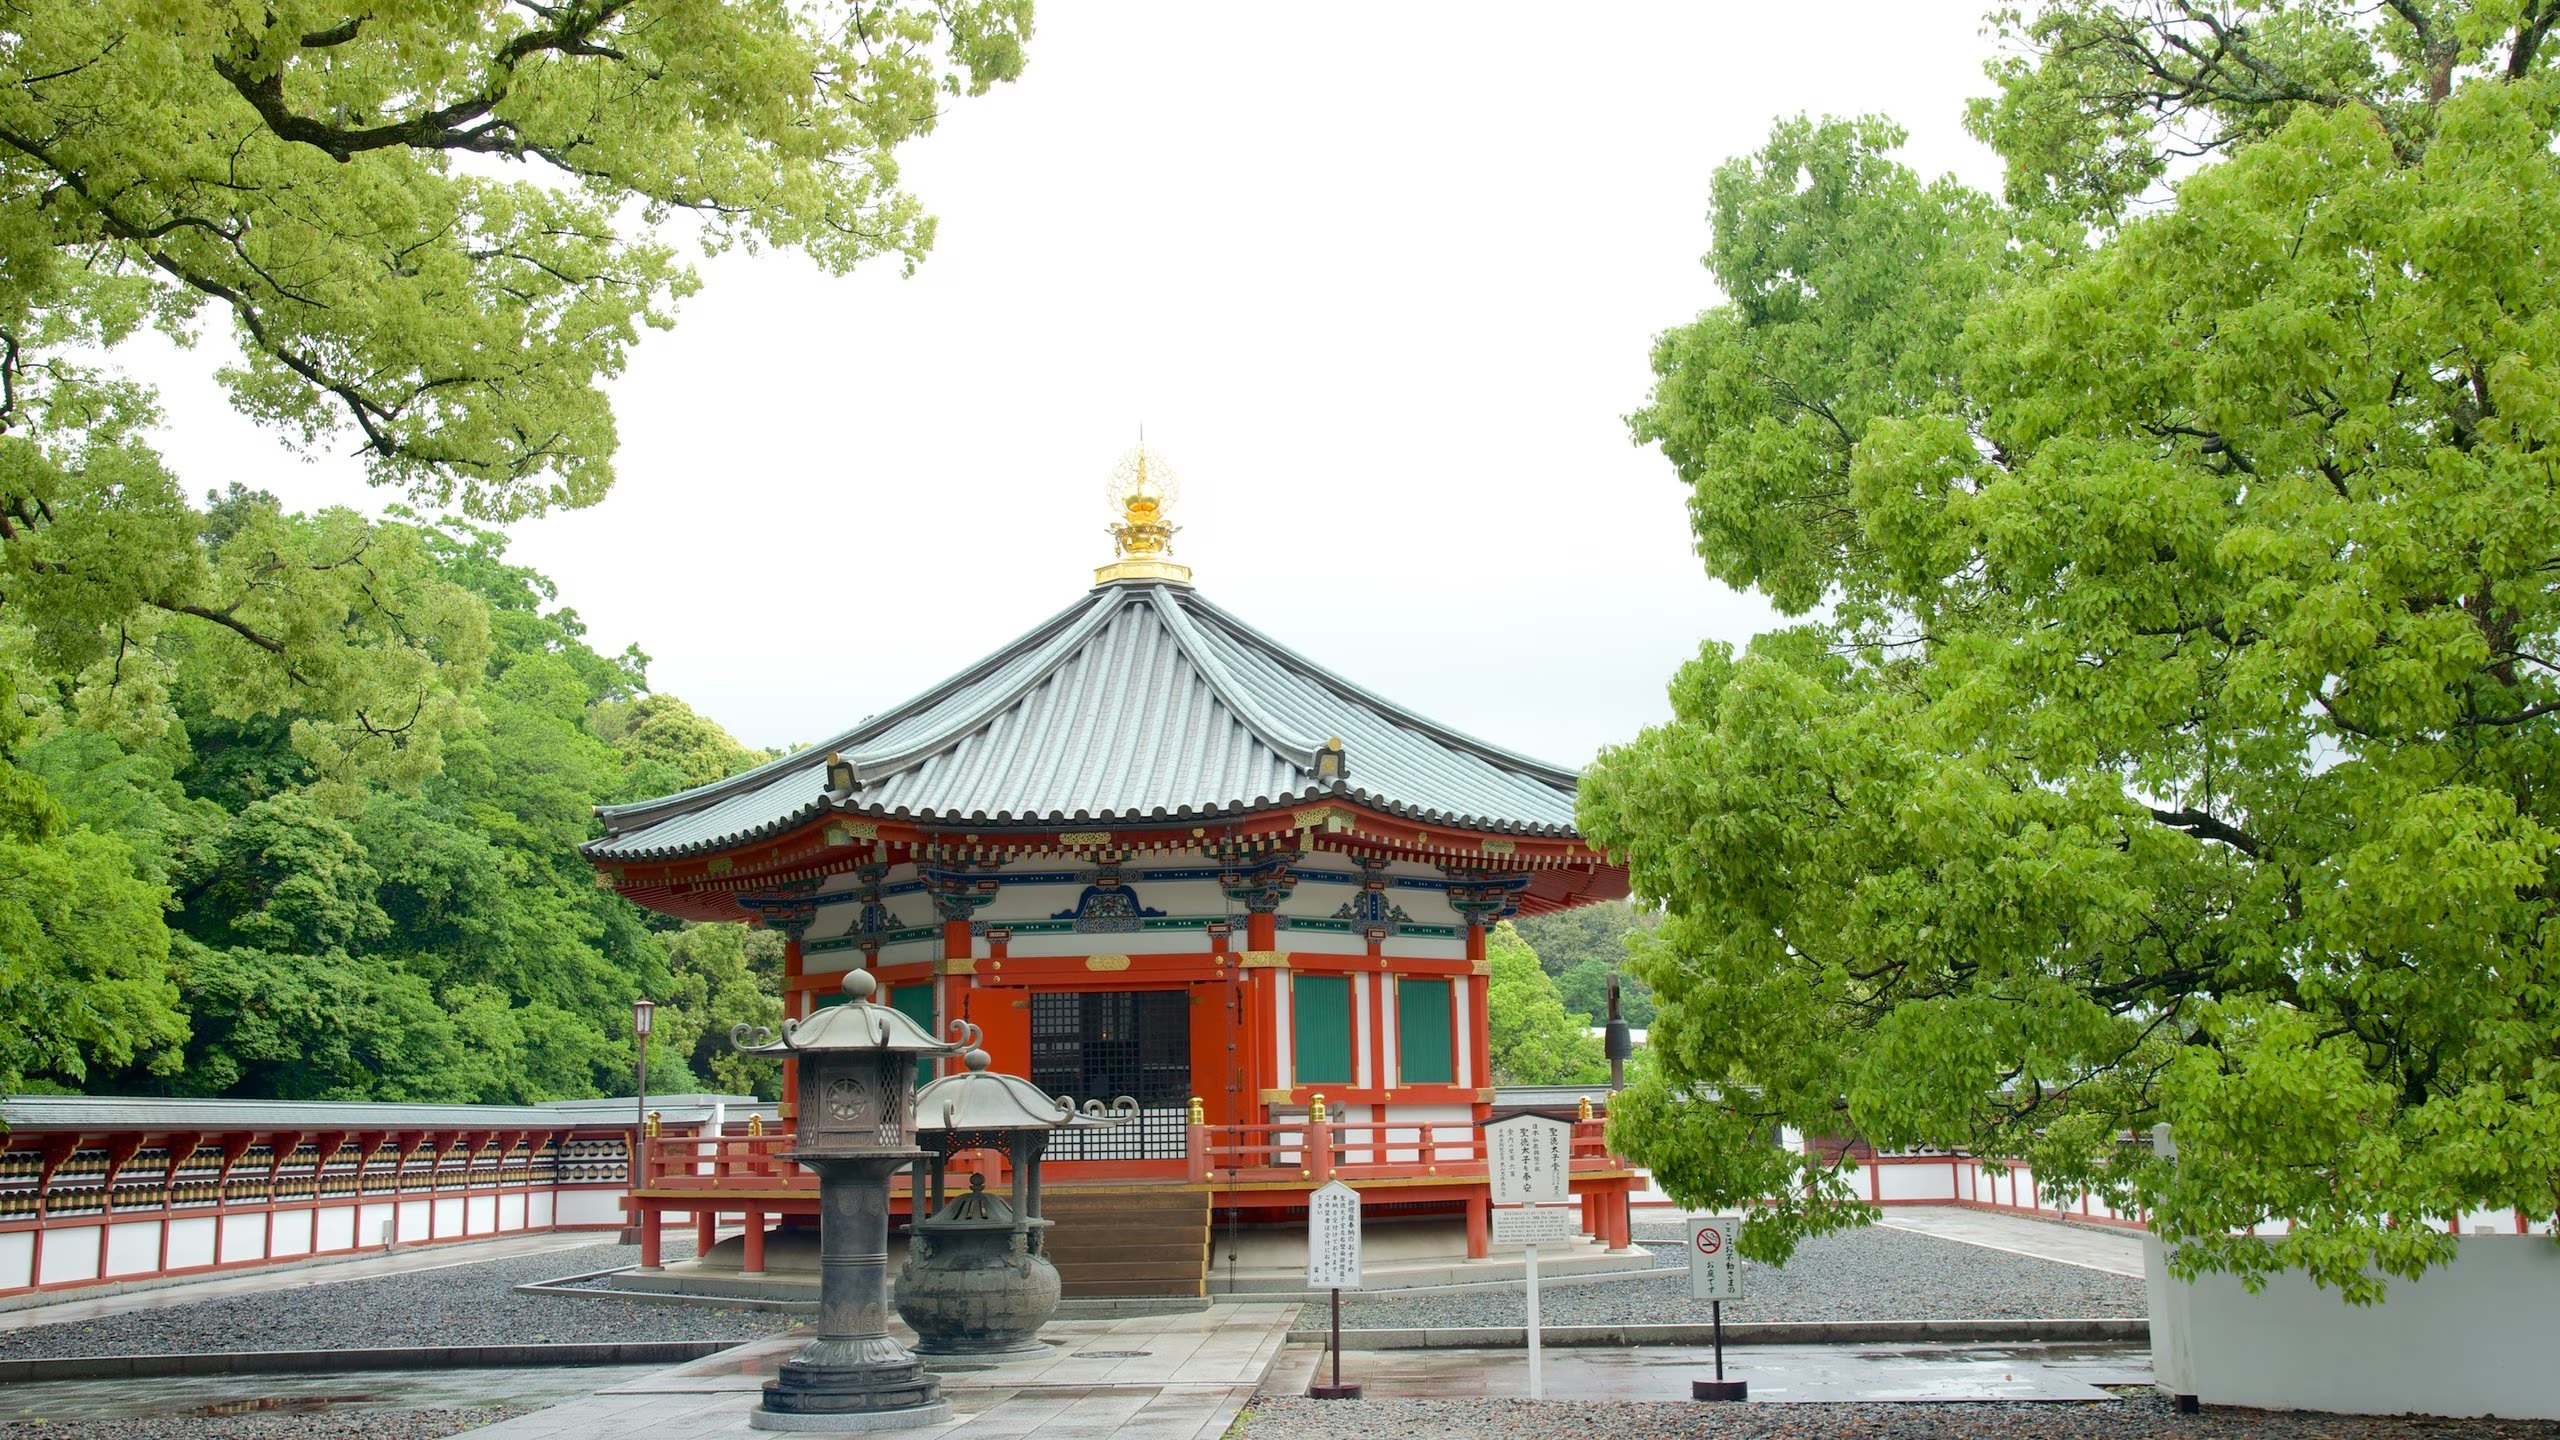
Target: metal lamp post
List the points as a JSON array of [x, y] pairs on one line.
[[857, 1128], [641, 1011]]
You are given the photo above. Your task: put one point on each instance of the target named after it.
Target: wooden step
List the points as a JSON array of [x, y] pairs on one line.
[[1129, 1241]]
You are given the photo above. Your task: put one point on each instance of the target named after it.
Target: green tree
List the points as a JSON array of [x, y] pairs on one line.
[[83, 953], [433, 230], [722, 976], [2176, 742], [1582, 947], [668, 746], [1534, 1041]]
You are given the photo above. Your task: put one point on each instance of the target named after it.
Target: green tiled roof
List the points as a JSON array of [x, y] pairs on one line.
[[1140, 703]]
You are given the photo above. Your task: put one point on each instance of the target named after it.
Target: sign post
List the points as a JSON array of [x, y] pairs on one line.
[[1715, 1276], [1531, 1159], [1333, 1263]]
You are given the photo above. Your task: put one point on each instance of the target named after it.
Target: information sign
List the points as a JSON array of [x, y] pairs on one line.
[[1333, 1237], [1531, 1157], [1534, 1225], [1715, 1268]]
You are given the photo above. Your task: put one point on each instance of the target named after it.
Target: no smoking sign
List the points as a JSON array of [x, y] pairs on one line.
[[1715, 1270]]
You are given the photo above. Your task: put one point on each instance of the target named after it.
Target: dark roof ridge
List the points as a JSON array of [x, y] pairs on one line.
[[1484, 750], [650, 812], [1298, 750]]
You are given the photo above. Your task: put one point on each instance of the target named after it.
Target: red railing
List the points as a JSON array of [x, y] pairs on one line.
[[728, 1162], [1318, 1151], [1305, 1151]]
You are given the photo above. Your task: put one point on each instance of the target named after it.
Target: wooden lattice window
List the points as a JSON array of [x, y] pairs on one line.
[[1426, 1031], [1320, 1029]]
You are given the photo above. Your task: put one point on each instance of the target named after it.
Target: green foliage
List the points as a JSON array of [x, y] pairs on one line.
[[2177, 740], [83, 955], [668, 747], [1582, 946], [1534, 1041], [330, 940], [352, 757]]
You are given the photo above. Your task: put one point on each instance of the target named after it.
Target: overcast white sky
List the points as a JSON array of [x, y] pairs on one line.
[[1378, 279]]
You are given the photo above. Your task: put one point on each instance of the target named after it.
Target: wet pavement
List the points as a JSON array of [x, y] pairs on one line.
[[58, 1401], [1776, 1373]]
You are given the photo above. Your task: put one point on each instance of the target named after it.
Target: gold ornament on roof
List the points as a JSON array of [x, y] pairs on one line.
[[1142, 490]]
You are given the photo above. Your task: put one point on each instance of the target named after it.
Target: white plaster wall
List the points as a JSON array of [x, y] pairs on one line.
[[1387, 1036], [1323, 942], [293, 1233], [1448, 1129], [244, 1237], [511, 1212], [1361, 1033], [17, 1259], [1140, 942], [337, 1229], [70, 1255], [538, 1209], [1424, 947], [1460, 1002], [1284, 1046], [1932, 1181], [589, 1207], [191, 1242], [448, 1216], [133, 1247], [369, 1224], [413, 1221], [2472, 1338], [480, 1214]]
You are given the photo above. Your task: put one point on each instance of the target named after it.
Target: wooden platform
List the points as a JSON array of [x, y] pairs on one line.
[[1129, 1240]]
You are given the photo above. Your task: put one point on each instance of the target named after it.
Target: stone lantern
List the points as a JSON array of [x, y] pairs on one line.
[[857, 1128], [977, 1280]]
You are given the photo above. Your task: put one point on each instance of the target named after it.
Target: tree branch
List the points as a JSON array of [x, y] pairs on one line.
[[2207, 827]]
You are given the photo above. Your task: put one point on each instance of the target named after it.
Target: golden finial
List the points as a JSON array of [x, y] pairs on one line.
[[1199, 1112], [655, 1120], [1586, 1107], [1142, 489], [755, 1125], [1315, 1111]]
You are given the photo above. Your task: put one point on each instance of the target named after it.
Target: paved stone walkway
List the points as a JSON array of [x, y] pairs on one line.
[[2113, 1251], [1776, 1373], [1157, 1377], [291, 1276]]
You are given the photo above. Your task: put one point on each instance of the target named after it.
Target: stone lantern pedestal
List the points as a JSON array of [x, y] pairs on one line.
[[857, 1129]]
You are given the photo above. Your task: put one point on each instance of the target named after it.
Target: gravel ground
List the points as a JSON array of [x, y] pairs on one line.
[[305, 1425], [2135, 1418], [1870, 1274], [472, 1304]]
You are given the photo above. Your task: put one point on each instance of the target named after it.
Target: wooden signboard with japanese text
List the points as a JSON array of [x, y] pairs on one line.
[[1531, 1157], [1333, 1237]]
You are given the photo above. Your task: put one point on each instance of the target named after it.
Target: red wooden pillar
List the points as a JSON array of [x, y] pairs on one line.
[[753, 1261], [795, 1006], [1480, 1223], [181, 1148], [652, 1225], [706, 1231], [949, 981]]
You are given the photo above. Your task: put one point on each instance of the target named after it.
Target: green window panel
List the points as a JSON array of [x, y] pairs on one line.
[[915, 1001], [1426, 1033], [1320, 1029]]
